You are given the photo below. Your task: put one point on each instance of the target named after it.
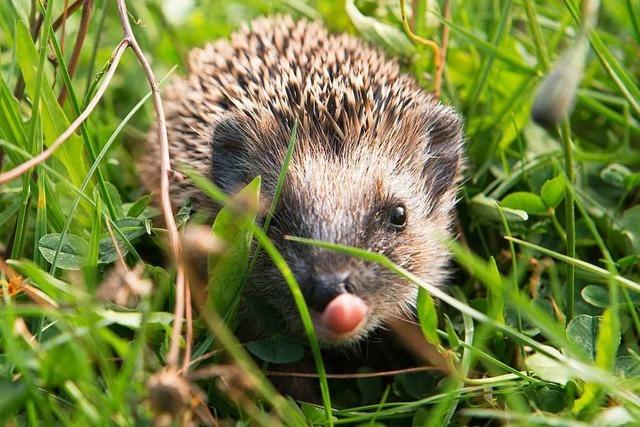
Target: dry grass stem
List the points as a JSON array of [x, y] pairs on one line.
[[165, 166], [357, 374]]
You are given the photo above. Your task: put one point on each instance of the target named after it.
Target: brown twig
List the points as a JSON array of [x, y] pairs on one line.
[[219, 370], [421, 40], [357, 374], [31, 163], [87, 9], [165, 166], [59, 20]]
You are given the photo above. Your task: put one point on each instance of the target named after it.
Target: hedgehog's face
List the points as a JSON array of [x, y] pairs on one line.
[[387, 196]]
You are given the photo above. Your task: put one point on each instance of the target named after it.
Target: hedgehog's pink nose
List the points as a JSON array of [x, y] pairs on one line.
[[344, 314]]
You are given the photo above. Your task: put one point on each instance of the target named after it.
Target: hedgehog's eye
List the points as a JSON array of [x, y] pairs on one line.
[[398, 216]]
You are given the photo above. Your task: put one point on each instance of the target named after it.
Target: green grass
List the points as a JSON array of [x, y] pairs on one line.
[[540, 324]]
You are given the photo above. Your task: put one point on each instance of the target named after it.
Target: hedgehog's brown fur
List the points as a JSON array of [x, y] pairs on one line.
[[368, 136]]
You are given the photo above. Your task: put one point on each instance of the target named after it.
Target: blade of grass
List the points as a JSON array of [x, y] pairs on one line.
[[635, 20], [536, 32], [62, 178], [538, 317], [54, 120], [272, 207], [94, 167], [217, 195], [487, 63], [31, 141], [19, 233], [444, 411], [89, 144], [489, 48], [610, 263], [600, 272], [570, 217], [406, 409], [94, 51]]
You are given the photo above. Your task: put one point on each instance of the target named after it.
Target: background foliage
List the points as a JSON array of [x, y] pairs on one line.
[[523, 349]]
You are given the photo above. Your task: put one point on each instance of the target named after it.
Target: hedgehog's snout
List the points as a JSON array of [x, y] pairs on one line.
[[337, 312], [321, 289]]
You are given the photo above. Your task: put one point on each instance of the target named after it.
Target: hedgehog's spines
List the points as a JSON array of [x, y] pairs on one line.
[[277, 70]]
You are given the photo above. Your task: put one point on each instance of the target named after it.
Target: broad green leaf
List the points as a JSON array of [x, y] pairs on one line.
[[73, 252], [553, 191], [54, 120], [547, 368], [628, 366], [528, 202], [616, 175], [550, 398], [137, 208], [227, 272], [132, 228], [314, 414], [379, 33], [629, 224], [495, 297], [598, 296], [608, 340], [583, 330], [489, 208], [428, 316], [277, 350], [183, 214], [607, 343]]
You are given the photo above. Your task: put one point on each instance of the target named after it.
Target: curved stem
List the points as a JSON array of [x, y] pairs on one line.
[[167, 211], [437, 58], [31, 163]]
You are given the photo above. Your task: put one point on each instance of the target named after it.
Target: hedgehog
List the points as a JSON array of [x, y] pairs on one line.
[[376, 165]]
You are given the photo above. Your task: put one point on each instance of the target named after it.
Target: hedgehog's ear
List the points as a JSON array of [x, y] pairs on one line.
[[443, 150], [228, 154]]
